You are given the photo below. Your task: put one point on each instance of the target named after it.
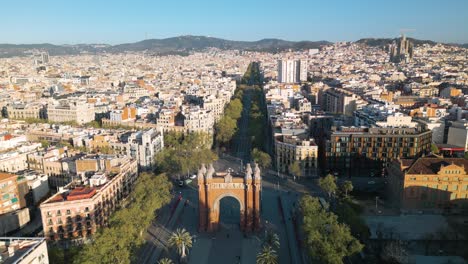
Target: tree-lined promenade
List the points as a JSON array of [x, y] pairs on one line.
[[227, 126], [122, 238], [183, 153]]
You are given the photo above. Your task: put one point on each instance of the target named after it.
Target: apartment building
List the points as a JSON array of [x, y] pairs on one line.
[[23, 250], [80, 208], [13, 191], [15, 195], [374, 148], [125, 114], [458, 134], [290, 149], [166, 118], [292, 71], [198, 120], [429, 184], [141, 145], [215, 105], [26, 111], [77, 111], [340, 101]]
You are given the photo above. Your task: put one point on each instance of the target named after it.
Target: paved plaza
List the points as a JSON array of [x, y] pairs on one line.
[[229, 244]]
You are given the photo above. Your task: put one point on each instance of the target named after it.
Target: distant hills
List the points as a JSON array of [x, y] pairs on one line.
[[173, 45], [181, 45], [187, 43], [376, 42], [12, 50]]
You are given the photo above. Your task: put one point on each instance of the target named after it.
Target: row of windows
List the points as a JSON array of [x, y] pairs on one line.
[[67, 212], [436, 178]]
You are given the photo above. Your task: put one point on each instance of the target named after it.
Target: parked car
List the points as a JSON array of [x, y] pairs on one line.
[[187, 181]]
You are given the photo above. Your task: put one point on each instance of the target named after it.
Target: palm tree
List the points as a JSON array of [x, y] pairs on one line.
[[182, 240], [165, 261], [347, 187], [271, 239], [267, 256]]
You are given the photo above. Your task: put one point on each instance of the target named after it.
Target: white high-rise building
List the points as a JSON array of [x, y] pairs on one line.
[[292, 71], [303, 67]]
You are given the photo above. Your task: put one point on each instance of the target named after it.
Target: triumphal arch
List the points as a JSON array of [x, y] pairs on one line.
[[244, 187]]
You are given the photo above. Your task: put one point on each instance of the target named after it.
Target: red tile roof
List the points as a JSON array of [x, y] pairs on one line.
[[81, 193], [433, 165]]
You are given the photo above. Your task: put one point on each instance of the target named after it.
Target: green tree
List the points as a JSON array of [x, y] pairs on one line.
[[225, 129], [56, 255], [181, 240], [395, 253], [94, 124], [328, 184], [295, 169], [184, 153], [234, 109], [262, 158], [347, 187], [165, 261], [271, 239], [121, 240], [326, 240], [349, 213], [267, 256], [45, 143]]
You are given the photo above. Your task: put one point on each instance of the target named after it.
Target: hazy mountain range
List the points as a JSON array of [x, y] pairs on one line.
[[181, 45]]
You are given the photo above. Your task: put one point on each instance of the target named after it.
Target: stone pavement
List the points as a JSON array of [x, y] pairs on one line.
[[200, 251], [406, 227], [228, 246], [291, 233]]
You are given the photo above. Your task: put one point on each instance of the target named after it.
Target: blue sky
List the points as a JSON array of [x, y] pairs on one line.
[[113, 22]]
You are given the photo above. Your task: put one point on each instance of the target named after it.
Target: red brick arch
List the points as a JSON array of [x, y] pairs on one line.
[[246, 189]]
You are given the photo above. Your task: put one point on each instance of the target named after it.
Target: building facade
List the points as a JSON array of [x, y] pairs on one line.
[[339, 101], [78, 210], [25, 111], [374, 148], [79, 112], [23, 250], [290, 149], [13, 192], [429, 184], [458, 134], [144, 145], [198, 120], [292, 71]]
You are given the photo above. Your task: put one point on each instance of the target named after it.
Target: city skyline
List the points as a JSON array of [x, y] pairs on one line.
[[59, 23]]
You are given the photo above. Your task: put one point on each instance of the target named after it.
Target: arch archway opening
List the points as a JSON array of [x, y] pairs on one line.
[[229, 212]]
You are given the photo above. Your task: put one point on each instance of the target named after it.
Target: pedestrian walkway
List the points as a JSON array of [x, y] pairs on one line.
[[158, 235], [200, 251], [291, 234], [250, 249]]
